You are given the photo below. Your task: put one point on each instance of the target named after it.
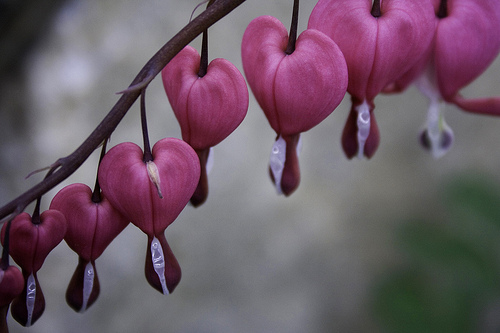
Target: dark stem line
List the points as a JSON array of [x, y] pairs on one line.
[[292, 37], [35, 217], [443, 9], [204, 55], [145, 135], [96, 193], [204, 50], [376, 11], [70, 163]]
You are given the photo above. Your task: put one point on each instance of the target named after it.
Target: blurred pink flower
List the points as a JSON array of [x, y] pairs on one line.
[[380, 41], [466, 41]]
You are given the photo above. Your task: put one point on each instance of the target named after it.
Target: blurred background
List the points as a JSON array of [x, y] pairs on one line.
[[398, 243]]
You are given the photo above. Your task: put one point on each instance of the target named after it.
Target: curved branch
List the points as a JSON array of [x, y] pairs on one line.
[[70, 163]]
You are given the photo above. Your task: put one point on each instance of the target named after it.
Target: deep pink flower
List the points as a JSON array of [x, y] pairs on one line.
[[11, 286], [466, 41], [296, 91], [91, 228], [379, 42], [29, 245], [208, 108], [152, 196]]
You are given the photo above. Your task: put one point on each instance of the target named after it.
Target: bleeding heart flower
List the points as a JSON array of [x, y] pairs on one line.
[[11, 286], [296, 91], [208, 108], [30, 244], [133, 188], [91, 228], [379, 42], [466, 41]]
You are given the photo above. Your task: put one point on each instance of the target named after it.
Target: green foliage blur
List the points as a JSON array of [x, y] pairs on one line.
[[448, 280]]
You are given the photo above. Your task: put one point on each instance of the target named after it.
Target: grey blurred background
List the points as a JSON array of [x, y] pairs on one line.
[[322, 260]]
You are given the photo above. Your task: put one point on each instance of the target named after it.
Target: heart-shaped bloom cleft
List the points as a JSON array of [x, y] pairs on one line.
[[380, 42], [208, 108], [91, 228], [296, 91], [133, 187], [466, 41], [29, 245]]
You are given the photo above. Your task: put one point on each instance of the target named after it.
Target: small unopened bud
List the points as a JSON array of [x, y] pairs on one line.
[[154, 176]]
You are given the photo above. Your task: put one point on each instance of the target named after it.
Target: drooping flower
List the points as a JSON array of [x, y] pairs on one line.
[[296, 90], [152, 197], [208, 108], [30, 243], [92, 225], [466, 41], [11, 284], [380, 41]]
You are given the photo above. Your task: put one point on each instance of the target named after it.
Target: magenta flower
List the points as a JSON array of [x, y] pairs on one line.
[[30, 243], [11, 286], [151, 195], [91, 228], [295, 90], [466, 41], [379, 42], [208, 108]]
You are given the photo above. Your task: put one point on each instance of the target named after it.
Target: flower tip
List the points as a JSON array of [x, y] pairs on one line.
[[162, 269], [84, 286], [438, 145]]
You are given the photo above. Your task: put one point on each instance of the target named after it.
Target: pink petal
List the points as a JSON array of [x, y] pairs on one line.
[[377, 50], [125, 182], [11, 286], [488, 106], [296, 91], [467, 41], [29, 243], [262, 50], [91, 226], [208, 108]]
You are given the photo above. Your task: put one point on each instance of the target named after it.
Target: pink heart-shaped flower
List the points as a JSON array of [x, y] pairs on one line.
[[208, 108], [379, 47], [134, 187], [125, 182], [11, 285], [295, 91], [91, 226], [467, 41], [378, 50], [31, 243]]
